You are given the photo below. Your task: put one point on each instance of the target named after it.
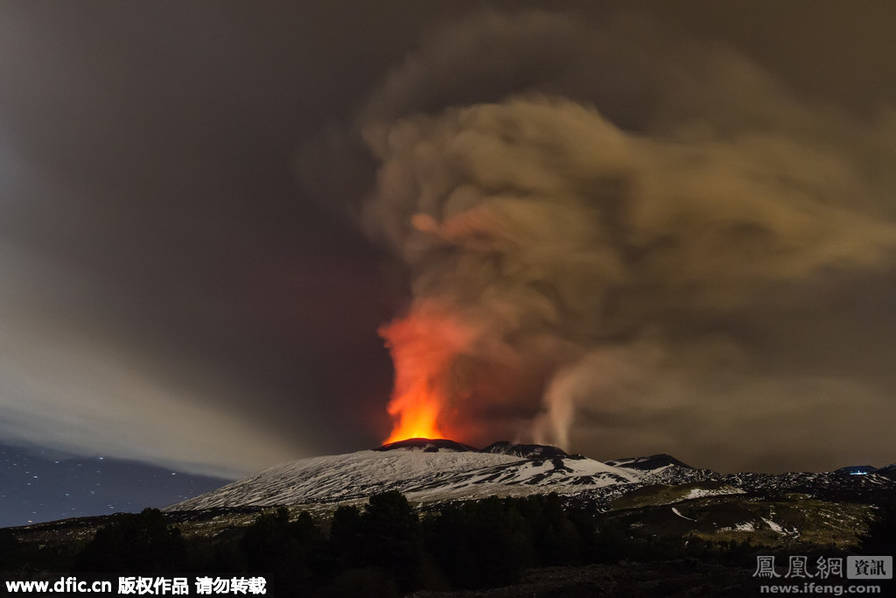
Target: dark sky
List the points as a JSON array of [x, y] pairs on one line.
[[43, 485], [172, 290]]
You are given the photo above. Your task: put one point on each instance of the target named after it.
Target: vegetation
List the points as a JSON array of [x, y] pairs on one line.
[[881, 535], [385, 548], [135, 543]]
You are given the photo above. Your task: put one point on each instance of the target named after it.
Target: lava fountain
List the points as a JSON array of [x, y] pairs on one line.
[[424, 346]]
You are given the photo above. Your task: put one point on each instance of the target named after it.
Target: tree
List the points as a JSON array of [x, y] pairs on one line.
[[289, 552], [881, 535], [391, 538], [135, 544], [345, 536], [481, 543]]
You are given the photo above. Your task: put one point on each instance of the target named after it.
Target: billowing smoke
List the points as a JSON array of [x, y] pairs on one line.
[[601, 224]]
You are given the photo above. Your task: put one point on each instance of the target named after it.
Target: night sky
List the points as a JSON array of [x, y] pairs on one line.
[[38, 484], [674, 230]]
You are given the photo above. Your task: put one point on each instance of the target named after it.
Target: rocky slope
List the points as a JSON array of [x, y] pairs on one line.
[[425, 470], [433, 471]]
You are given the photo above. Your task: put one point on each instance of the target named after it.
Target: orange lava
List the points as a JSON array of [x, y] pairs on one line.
[[415, 414], [424, 345]]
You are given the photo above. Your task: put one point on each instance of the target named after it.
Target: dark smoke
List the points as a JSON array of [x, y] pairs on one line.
[[628, 223]]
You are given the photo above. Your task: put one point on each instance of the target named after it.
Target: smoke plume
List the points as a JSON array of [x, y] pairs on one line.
[[605, 225]]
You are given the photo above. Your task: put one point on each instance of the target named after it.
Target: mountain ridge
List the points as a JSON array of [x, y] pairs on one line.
[[425, 469], [431, 471]]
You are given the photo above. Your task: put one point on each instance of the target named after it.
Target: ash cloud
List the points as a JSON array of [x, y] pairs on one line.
[[639, 233], [167, 293]]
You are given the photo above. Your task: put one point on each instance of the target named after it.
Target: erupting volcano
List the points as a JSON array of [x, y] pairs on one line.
[[416, 415], [424, 346]]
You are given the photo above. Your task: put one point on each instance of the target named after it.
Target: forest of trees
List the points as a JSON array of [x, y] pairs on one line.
[[387, 549]]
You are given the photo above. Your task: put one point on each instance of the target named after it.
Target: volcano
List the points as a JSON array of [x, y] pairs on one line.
[[430, 471], [426, 470]]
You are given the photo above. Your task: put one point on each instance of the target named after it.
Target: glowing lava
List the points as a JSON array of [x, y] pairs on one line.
[[424, 346], [416, 414]]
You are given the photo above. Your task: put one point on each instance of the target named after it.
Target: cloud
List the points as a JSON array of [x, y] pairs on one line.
[[66, 383], [606, 205]]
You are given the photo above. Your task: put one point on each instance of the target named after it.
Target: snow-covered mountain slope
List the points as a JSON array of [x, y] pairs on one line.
[[424, 470], [431, 471], [651, 463]]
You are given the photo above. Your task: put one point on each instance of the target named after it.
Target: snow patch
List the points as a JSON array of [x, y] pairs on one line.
[[677, 512], [746, 526], [777, 528], [774, 526], [701, 492]]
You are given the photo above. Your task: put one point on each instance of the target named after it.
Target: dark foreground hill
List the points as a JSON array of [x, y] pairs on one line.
[[535, 545]]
